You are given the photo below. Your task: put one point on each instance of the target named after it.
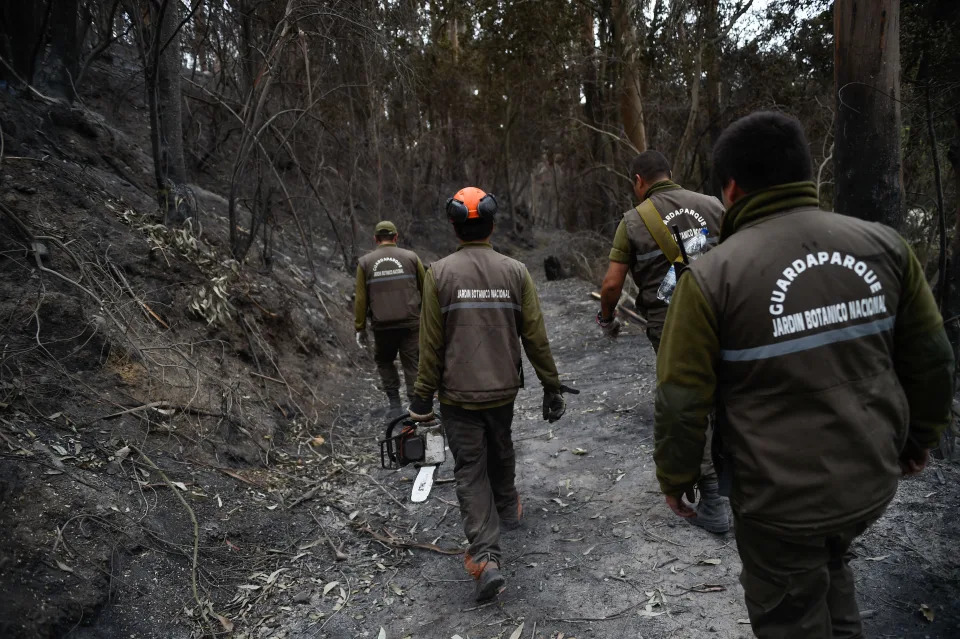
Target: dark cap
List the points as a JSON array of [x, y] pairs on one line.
[[385, 228]]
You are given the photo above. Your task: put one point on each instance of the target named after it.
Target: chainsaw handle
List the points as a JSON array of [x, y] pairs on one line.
[[393, 423]]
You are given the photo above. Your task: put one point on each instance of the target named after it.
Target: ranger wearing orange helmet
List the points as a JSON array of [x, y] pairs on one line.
[[478, 307]]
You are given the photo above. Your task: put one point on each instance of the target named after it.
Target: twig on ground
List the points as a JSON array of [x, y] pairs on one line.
[[193, 520], [480, 607], [590, 619], [310, 494], [643, 523], [378, 484], [433, 579], [338, 553], [397, 542]]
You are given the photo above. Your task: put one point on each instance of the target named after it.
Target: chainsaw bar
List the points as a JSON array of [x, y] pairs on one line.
[[423, 484]]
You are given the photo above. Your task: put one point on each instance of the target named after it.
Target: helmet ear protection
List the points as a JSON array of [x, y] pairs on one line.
[[458, 212]]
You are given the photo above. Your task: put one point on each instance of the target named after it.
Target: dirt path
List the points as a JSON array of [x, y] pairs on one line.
[[600, 555], [100, 546]]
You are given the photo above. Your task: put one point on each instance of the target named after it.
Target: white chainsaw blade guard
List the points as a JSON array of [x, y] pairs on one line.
[[422, 484]]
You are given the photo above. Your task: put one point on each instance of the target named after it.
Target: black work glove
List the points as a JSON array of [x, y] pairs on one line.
[[421, 409], [610, 326], [554, 405]]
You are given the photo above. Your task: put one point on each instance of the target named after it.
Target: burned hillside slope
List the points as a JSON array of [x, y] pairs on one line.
[[133, 356]]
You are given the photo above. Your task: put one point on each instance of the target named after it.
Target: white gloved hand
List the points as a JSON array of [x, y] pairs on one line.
[[363, 340]]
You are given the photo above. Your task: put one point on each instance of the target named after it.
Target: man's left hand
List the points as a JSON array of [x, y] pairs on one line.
[[679, 507], [553, 405], [913, 459]]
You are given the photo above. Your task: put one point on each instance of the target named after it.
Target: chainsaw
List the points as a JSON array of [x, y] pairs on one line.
[[419, 443]]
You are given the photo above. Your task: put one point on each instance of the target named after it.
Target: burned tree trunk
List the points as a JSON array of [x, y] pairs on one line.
[[63, 60], [867, 80], [631, 97], [166, 129], [21, 29]]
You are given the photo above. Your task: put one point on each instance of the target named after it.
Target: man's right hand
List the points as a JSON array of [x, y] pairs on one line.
[[363, 340], [679, 507], [913, 459], [610, 326], [421, 409]]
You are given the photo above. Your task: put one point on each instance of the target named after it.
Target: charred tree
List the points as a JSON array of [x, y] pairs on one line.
[[867, 91], [63, 59], [163, 67], [631, 96], [21, 33]]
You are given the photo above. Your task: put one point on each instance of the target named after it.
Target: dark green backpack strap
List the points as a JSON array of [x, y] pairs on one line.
[[659, 231]]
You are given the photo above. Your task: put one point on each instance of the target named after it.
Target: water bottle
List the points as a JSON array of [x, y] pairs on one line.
[[694, 248]]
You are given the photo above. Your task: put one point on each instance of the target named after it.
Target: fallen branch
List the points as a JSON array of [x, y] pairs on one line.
[[193, 520], [378, 484], [338, 553], [310, 494], [136, 409], [397, 542], [604, 618]]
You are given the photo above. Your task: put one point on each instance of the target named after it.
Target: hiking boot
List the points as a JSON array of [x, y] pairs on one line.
[[394, 408], [711, 509], [513, 520], [489, 583]]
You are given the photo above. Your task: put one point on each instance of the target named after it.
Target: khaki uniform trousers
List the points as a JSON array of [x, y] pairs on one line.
[[799, 587], [485, 466], [389, 342]]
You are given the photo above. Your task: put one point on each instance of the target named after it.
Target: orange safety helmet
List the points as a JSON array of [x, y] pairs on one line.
[[471, 203]]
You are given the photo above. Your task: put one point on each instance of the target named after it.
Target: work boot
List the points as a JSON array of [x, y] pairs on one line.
[[711, 509], [512, 520], [489, 583], [395, 408]]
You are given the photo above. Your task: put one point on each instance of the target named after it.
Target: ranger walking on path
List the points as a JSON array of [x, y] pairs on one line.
[[645, 246], [478, 307], [389, 285], [818, 340]]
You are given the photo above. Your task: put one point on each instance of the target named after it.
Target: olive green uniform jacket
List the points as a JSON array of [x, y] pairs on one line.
[[479, 306], [817, 339], [388, 288]]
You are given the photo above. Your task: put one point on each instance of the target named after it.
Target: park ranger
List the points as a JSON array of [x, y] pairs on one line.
[[389, 284], [818, 340], [478, 308], [644, 246]]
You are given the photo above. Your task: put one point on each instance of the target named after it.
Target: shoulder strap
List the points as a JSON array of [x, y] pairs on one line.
[[659, 231]]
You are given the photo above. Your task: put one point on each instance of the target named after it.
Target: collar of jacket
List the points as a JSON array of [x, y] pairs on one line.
[[486, 245], [386, 244], [766, 202], [662, 185]]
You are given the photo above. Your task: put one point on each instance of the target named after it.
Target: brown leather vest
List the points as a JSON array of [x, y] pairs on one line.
[[810, 409], [480, 293], [691, 212], [393, 296]]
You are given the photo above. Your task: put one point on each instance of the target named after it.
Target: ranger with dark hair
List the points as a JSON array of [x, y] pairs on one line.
[[816, 337], [389, 283], [478, 307], [645, 246]]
